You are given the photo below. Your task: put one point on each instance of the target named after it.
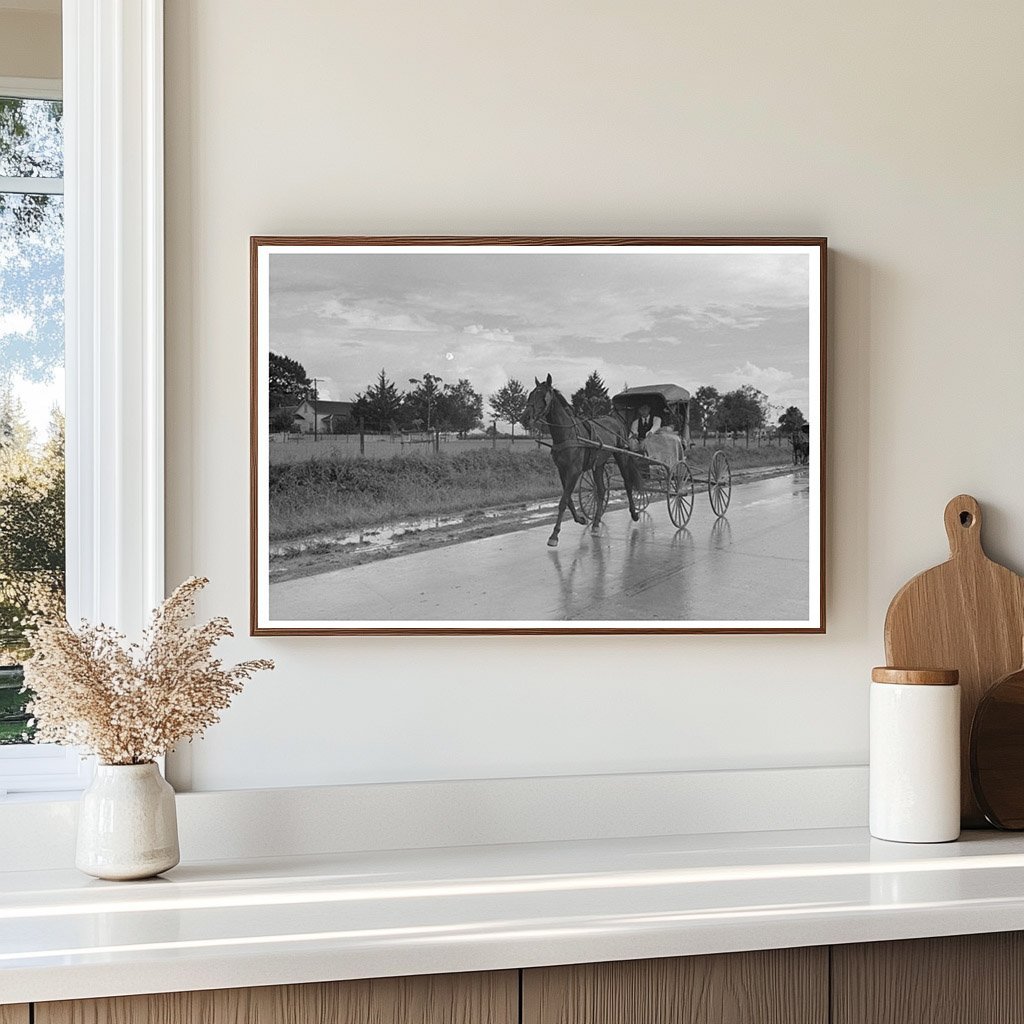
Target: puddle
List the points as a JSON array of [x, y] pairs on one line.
[[372, 537], [380, 538], [375, 541]]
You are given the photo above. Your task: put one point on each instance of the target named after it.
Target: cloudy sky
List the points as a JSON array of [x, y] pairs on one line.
[[685, 317]]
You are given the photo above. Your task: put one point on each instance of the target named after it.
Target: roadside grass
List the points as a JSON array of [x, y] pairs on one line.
[[739, 455], [334, 494], [322, 495]]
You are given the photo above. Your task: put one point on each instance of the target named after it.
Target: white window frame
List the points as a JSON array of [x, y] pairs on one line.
[[38, 768], [31, 89], [114, 327]]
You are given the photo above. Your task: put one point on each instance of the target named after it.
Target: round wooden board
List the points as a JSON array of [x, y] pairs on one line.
[[997, 752]]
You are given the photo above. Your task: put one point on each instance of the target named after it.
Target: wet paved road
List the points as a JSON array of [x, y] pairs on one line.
[[751, 565]]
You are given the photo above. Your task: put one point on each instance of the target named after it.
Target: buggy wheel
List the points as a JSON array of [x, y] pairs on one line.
[[719, 484], [679, 494], [641, 496], [586, 492]]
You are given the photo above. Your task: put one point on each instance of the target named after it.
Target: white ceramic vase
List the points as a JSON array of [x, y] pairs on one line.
[[127, 825]]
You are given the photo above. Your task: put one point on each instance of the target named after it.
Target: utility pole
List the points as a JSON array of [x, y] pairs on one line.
[[316, 418]]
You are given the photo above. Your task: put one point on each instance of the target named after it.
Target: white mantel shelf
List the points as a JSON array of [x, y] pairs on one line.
[[225, 924]]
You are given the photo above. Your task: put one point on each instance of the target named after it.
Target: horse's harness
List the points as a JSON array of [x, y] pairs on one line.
[[575, 441]]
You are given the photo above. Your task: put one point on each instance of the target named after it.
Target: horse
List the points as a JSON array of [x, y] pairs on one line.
[[801, 449], [572, 453]]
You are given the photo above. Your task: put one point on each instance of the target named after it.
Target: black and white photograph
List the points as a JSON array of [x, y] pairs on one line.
[[537, 435]]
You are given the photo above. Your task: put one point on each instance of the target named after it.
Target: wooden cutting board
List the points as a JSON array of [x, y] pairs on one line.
[[967, 614]]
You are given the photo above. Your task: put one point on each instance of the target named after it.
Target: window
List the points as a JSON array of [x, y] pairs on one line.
[[31, 408], [31, 382], [112, 212]]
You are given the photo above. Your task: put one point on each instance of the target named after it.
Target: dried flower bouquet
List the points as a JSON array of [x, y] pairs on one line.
[[130, 703]]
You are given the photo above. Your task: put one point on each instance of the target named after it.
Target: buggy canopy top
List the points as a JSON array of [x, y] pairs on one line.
[[661, 394], [666, 400]]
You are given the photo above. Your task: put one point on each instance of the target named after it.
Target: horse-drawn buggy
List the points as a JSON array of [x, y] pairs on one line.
[[801, 442], [646, 434]]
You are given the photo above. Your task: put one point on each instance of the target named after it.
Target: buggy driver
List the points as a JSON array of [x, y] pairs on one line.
[[645, 424]]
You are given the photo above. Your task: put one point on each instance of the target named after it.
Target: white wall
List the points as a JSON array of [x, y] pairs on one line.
[[894, 129], [29, 42]]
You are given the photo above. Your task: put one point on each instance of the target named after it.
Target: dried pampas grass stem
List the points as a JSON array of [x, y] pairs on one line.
[[129, 703]]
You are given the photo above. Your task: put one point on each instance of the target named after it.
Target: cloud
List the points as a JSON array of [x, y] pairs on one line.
[[674, 324], [489, 333], [712, 316], [365, 318], [765, 378], [782, 387], [722, 319]]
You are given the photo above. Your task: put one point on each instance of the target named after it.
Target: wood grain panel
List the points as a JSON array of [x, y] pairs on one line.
[[963, 979], [14, 1014], [967, 614], [780, 986], [483, 998]]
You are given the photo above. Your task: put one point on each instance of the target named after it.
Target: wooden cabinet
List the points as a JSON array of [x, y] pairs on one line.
[[972, 979], [779, 986], [491, 998], [964, 979]]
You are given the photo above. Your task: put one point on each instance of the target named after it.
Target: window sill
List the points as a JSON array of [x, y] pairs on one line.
[[230, 924], [41, 797]]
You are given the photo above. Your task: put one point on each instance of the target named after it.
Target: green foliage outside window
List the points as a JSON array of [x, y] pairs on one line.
[[31, 355]]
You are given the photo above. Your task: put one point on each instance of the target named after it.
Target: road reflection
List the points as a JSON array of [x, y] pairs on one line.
[[682, 538], [721, 534], [582, 575], [751, 566]]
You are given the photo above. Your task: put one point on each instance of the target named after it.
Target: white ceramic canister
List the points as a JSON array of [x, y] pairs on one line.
[[915, 755]]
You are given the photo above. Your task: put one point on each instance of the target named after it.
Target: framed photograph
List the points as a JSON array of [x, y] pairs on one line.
[[537, 435]]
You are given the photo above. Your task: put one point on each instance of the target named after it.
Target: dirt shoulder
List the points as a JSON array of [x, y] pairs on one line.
[[316, 554]]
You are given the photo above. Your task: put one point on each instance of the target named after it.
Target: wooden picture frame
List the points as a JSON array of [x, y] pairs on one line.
[[375, 512]]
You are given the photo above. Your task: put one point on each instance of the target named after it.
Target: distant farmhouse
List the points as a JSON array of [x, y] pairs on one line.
[[330, 417]]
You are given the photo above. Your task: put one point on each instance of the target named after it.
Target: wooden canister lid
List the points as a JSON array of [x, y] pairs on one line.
[[916, 676]]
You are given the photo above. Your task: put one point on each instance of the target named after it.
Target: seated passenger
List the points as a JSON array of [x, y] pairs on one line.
[[645, 424]]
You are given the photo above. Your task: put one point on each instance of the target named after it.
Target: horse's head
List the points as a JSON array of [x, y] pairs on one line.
[[538, 402]]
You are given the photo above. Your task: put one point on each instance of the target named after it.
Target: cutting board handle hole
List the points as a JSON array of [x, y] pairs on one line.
[[962, 519]]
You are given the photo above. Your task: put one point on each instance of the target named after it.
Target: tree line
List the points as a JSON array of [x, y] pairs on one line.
[[31, 524], [433, 404], [430, 404], [742, 411]]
